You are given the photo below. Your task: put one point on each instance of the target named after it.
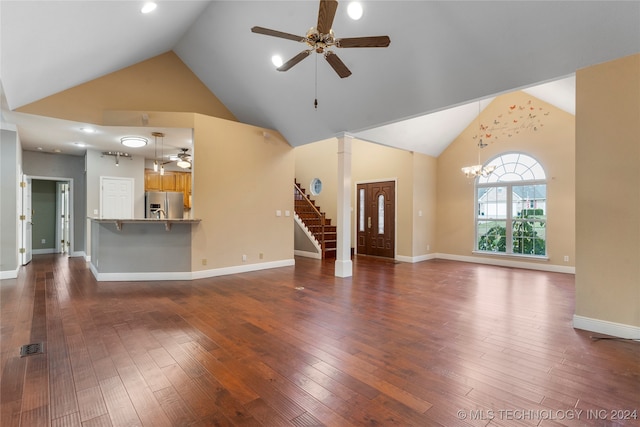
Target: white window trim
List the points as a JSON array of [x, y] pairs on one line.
[[509, 220]]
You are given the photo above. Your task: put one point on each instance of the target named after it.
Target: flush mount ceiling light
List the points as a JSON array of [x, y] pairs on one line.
[[148, 7], [133, 141], [88, 130]]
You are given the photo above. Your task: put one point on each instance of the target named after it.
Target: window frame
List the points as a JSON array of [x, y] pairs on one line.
[[509, 220]]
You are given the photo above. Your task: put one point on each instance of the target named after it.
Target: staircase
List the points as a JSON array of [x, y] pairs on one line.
[[316, 221]]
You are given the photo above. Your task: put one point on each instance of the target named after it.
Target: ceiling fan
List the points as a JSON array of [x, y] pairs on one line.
[[321, 38], [182, 159]]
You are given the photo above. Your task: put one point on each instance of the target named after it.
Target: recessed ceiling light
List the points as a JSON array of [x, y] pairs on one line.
[[277, 60], [354, 10], [133, 141], [39, 148], [88, 130], [57, 150], [80, 144], [148, 7]]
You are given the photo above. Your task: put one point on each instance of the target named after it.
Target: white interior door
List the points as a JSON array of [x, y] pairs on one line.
[[62, 218], [26, 218], [116, 198]]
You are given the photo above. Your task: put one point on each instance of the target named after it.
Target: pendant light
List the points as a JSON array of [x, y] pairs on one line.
[[155, 152], [155, 163], [479, 169]]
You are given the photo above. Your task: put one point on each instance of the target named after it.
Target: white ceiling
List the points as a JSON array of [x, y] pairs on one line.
[[417, 94]]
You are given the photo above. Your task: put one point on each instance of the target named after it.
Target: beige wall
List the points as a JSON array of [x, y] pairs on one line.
[[320, 160], [608, 191], [552, 144], [373, 162], [413, 173], [162, 83], [424, 205], [240, 180]]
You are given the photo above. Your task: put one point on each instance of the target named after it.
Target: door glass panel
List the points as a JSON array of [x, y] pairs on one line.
[[361, 213], [381, 214]]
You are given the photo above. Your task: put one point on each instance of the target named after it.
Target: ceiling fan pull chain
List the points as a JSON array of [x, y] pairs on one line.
[[315, 102]]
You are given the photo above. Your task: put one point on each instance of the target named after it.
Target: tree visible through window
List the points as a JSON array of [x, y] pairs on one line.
[[511, 207]]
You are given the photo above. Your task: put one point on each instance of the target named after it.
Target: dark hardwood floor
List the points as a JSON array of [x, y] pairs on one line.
[[427, 344]]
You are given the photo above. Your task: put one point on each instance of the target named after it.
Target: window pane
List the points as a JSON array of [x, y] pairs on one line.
[[381, 214], [492, 236], [529, 201], [361, 213], [492, 202], [529, 237]]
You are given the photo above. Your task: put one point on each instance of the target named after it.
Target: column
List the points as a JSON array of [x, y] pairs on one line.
[[344, 265]]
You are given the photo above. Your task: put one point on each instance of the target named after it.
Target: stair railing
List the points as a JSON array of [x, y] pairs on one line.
[[298, 194]]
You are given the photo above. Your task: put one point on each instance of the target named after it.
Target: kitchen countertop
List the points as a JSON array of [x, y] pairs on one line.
[[166, 221]]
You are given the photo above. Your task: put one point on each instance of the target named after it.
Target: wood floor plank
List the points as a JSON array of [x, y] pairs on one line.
[[435, 343]]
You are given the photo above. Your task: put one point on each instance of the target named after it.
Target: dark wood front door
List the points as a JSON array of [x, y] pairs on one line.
[[376, 218]]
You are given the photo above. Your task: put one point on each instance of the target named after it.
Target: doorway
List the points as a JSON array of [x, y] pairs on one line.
[[45, 216], [376, 218]]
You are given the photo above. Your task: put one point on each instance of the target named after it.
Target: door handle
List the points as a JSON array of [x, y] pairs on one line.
[[369, 222]]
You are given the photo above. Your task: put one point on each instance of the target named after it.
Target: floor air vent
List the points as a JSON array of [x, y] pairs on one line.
[[31, 349]]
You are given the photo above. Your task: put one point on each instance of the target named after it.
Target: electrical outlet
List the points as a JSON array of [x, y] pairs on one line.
[[204, 261], [244, 258], [566, 258], [428, 247], [43, 241]]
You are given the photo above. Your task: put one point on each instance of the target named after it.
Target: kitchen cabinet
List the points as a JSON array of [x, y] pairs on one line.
[[170, 181]]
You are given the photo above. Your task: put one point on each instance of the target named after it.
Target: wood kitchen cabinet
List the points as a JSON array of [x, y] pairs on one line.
[[170, 181]]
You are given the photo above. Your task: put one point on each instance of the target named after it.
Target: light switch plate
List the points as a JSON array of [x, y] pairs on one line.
[[278, 212]]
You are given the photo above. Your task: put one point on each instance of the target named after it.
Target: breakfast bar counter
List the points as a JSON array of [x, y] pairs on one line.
[[141, 249]]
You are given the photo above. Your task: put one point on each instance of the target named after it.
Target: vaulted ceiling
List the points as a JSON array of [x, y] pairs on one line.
[[414, 94]]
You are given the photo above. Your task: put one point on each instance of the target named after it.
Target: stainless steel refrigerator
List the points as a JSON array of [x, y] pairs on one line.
[[164, 204]]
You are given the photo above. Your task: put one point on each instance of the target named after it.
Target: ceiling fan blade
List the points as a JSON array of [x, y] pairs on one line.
[[293, 61], [337, 64], [326, 13], [374, 41], [274, 33]]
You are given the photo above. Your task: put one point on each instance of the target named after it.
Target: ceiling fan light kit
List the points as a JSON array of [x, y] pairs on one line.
[[321, 39]]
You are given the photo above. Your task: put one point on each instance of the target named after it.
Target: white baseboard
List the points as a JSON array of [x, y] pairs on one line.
[[605, 327], [43, 251], [414, 259], [245, 268], [509, 263], [9, 274], [186, 275], [307, 254]]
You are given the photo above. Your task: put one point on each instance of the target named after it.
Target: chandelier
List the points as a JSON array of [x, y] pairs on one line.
[[478, 170]]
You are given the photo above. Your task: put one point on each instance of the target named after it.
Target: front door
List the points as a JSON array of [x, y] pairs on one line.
[[376, 218]]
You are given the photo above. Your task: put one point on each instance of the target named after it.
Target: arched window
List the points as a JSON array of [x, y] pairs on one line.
[[511, 207]]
